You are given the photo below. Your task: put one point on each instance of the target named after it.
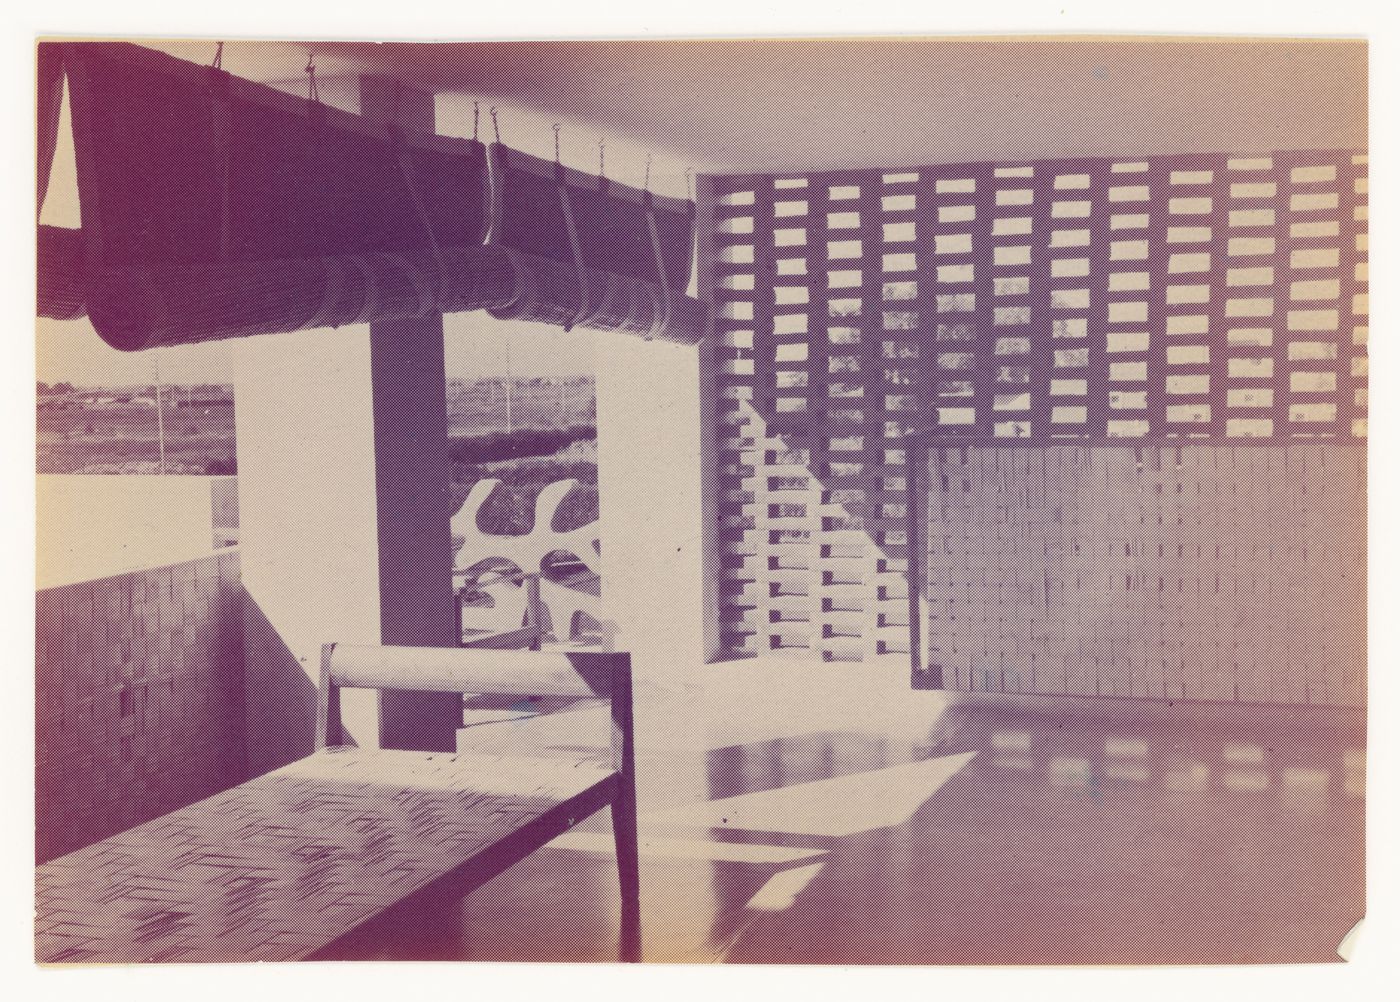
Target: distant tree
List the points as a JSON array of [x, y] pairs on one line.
[[43, 387], [63, 387]]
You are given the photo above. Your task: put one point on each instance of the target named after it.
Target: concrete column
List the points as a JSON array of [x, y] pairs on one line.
[[344, 506], [413, 480]]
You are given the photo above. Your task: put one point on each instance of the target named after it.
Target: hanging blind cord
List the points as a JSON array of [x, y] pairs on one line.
[[400, 142], [659, 324], [584, 305]]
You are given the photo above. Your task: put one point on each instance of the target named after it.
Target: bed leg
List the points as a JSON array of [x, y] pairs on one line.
[[624, 820]]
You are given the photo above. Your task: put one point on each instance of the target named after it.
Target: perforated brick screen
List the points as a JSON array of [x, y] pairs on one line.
[[1212, 297]]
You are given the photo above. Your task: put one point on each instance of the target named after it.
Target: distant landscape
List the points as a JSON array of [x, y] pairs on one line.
[[115, 429], [551, 436]]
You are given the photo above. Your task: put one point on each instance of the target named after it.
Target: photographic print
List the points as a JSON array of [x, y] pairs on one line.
[[846, 500]]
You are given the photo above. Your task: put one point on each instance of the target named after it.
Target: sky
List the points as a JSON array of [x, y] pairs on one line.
[[476, 346]]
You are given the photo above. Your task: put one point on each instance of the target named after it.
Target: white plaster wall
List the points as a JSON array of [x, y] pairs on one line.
[[659, 574], [308, 525], [91, 526]]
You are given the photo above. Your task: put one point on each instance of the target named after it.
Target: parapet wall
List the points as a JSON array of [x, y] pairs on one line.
[[138, 698]]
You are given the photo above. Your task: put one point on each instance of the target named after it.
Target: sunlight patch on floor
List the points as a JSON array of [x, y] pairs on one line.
[[782, 889], [845, 805], [675, 848]]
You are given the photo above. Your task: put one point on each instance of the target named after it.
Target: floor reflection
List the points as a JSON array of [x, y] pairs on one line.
[[983, 836], [832, 807]]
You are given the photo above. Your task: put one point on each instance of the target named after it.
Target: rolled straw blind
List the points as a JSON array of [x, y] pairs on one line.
[[188, 176], [610, 219], [213, 207], [620, 255]]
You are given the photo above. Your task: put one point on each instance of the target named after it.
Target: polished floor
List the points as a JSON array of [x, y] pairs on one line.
[[816, 813]]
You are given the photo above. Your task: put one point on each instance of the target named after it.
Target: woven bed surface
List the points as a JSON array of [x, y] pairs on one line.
[[285, 864]]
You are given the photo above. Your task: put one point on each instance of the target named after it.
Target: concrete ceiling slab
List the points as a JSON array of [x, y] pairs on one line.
[[775, 105]]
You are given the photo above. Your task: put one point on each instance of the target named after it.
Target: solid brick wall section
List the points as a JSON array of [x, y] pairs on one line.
[[139, 698], [1230, 573]]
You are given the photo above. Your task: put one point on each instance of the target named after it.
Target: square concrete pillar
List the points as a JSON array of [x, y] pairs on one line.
[[345, 504]]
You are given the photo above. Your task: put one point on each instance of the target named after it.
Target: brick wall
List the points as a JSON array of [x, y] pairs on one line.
[[139, 698], [1220, 572]]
